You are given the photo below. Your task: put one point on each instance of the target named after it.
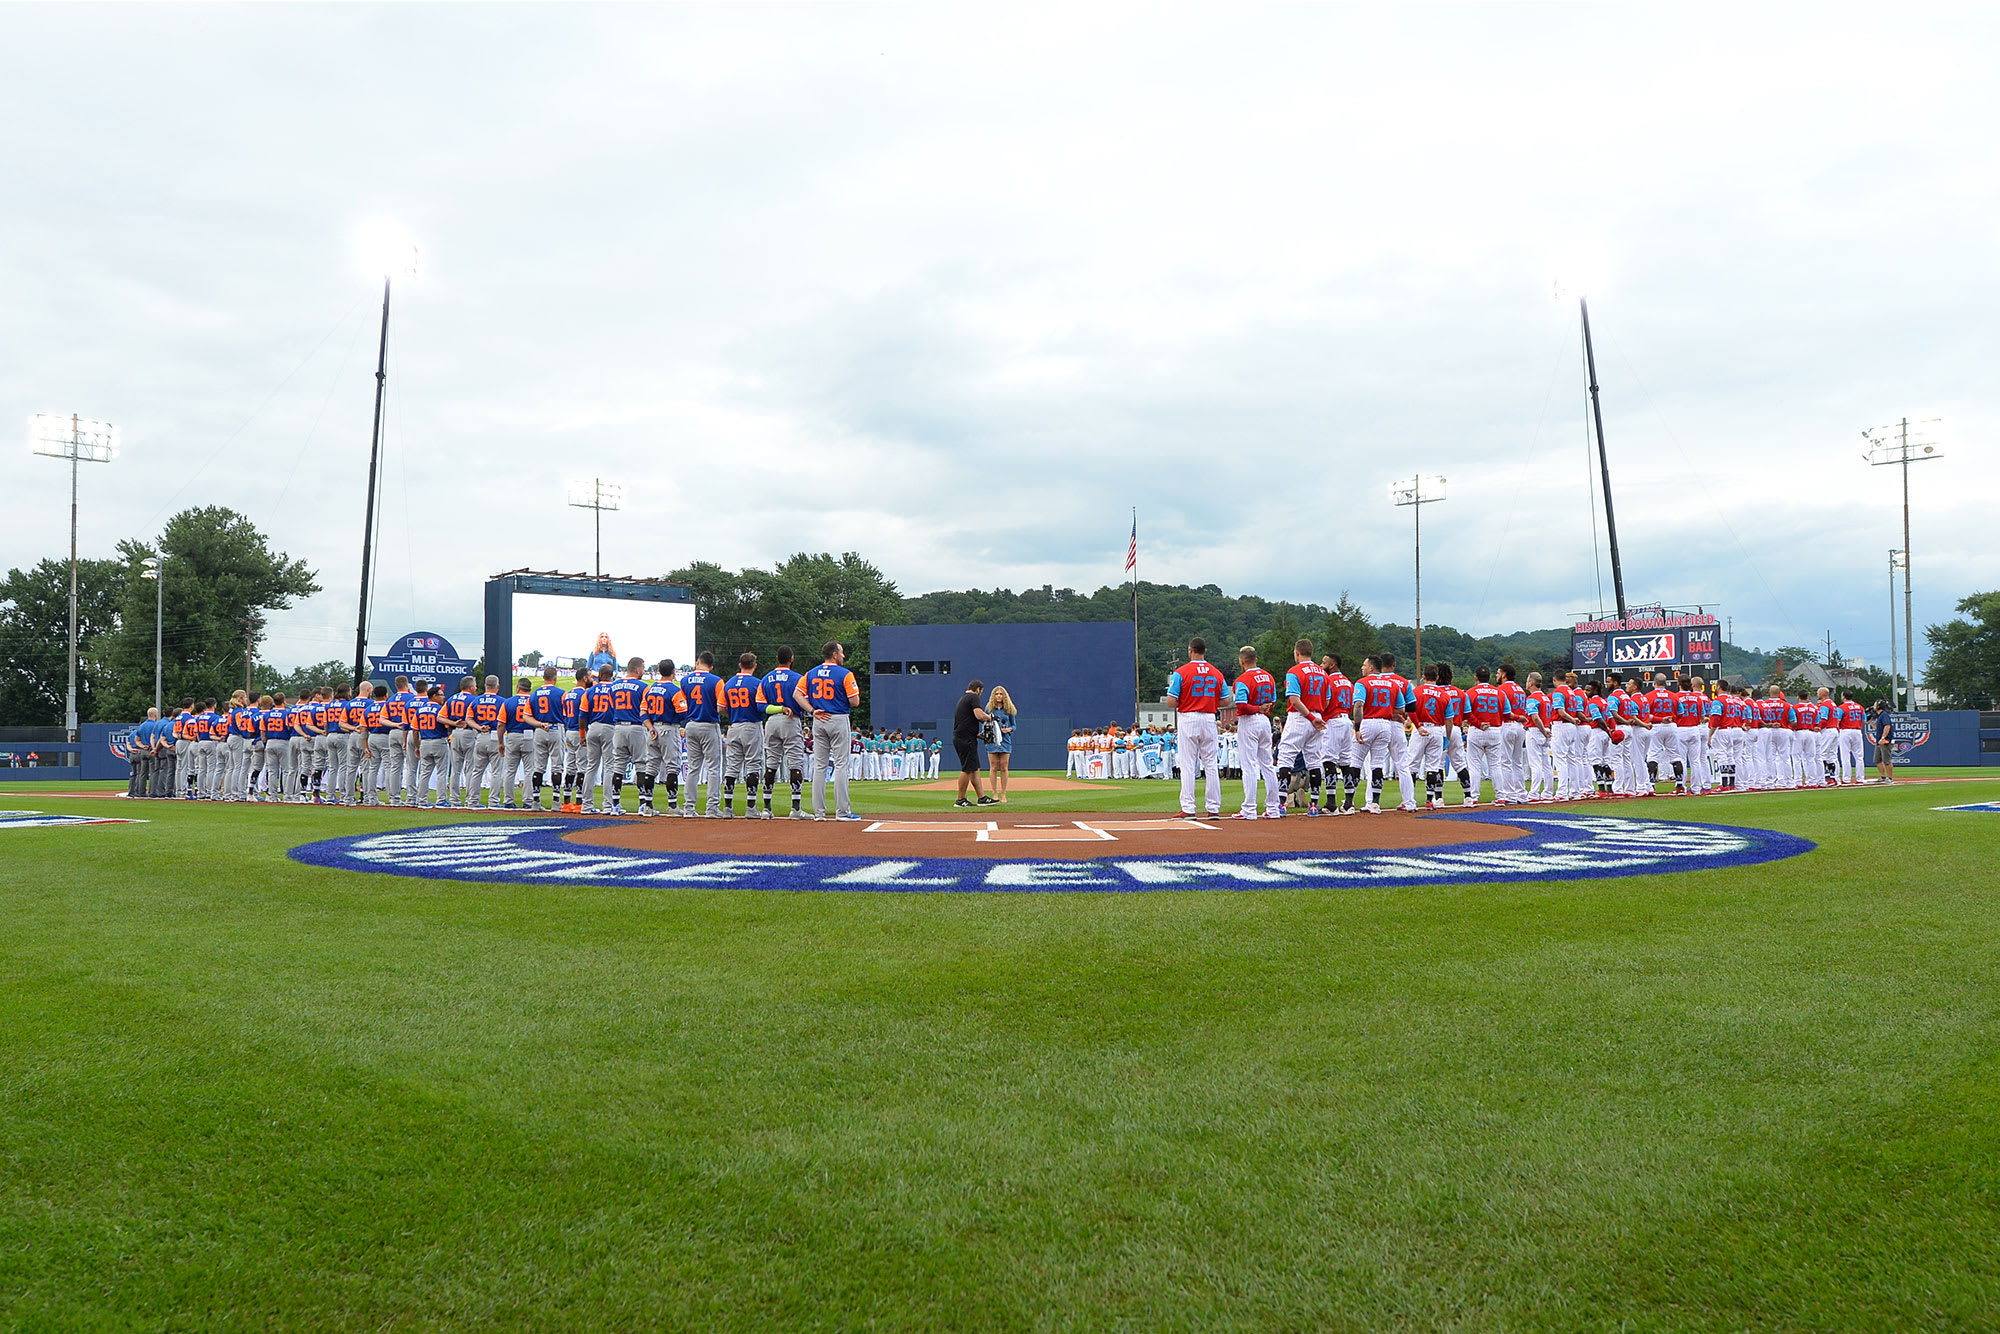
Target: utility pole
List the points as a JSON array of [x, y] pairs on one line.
[[1890, 446], [1603, 461], [251, 624], [153, 567], [368, 524], [1894, 555], [1416, 493]]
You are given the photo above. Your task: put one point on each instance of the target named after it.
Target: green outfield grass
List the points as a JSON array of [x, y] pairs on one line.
[[240, 1091]]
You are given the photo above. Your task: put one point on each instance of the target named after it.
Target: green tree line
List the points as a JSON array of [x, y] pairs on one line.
[[220, 581]]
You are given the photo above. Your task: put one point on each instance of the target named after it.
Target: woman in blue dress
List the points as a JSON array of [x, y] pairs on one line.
[[999, 740], [603, 655]]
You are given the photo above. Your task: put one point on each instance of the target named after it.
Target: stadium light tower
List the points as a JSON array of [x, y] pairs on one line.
[[596, 494], [1891, 446], [150, 568], [1416, 493], [383, 250], [79, 440]]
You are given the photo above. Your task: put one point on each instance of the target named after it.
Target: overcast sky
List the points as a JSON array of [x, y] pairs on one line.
[[957, 288]]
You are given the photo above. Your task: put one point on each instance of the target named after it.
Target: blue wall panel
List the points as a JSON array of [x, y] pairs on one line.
[[1940, 737], [1062, 676]]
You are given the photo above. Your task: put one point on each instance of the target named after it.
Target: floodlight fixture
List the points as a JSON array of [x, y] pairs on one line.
[[597, 495], [383, 249], [63, 435], [1423, 489]]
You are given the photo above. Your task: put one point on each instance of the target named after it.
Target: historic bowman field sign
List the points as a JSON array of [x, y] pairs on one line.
[[1527, 846]]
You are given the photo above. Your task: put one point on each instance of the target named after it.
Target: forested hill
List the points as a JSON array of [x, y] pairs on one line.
[[1171, 614], [811, 597]]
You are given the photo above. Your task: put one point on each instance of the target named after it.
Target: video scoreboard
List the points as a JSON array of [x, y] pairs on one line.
[[1648, 638]]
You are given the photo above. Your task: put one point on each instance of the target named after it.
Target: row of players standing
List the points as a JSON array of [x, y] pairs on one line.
[[377, 746], [1573, 741]]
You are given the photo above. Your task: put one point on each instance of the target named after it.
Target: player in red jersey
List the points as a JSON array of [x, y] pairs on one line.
[[1255, 693], [1853, 721], [1565, 735], [1197, 688], [1339, 753], [1541, 785], [1381, 704], [1485, 711], [1399, 749], [1302, 742], [1513, 738], [1434, 715]]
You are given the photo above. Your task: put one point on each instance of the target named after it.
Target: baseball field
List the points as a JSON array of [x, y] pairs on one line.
[[239, 1088]]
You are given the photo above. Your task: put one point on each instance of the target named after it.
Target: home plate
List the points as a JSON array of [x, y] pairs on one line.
[[1076, 831]]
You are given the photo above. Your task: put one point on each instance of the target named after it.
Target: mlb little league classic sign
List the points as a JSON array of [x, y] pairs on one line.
[[424, 654]]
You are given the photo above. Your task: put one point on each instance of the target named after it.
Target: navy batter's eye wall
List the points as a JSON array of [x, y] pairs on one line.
[[614, 602], [1062, 675]]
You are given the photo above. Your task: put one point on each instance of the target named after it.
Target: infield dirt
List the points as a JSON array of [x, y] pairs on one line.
[[1039, 836]]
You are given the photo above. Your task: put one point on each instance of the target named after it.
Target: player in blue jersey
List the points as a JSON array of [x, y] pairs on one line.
[[628, 729], [546, 705], [743, 744], [593, 720], [701, 733], [784, 742], [830, 692]]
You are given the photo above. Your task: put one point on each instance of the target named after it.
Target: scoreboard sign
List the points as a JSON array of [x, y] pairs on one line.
[[1648, 638]]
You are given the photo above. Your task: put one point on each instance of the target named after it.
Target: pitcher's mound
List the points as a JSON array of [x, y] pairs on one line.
[[1013, 785]]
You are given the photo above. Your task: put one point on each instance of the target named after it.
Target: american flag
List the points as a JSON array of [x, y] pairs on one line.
[[1132, 550]]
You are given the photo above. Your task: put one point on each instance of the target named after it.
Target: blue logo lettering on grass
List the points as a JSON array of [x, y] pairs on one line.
[[39, 820], [1554, 847]]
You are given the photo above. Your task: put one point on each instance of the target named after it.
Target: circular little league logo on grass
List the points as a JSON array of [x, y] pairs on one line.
[[40, 820], [1052, 853]]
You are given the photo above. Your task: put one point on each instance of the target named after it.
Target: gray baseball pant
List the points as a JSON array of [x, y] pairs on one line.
[[743, 757], [663, 757], [628, 747], [704, 756], [389, 751], [784, 746], [238, 772], [597, 749], [433, 758], [457, 766], [485, 766], [350, 771], [546, 760], [517, 756], [832, 737], [277, 763]]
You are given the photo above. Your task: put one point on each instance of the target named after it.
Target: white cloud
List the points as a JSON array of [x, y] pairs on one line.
[[958, 288]]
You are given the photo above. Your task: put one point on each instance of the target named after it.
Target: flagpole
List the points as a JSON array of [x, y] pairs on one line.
[[1135, 616]]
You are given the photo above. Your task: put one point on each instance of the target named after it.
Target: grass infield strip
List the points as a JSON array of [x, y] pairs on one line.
[[240, 1090]]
